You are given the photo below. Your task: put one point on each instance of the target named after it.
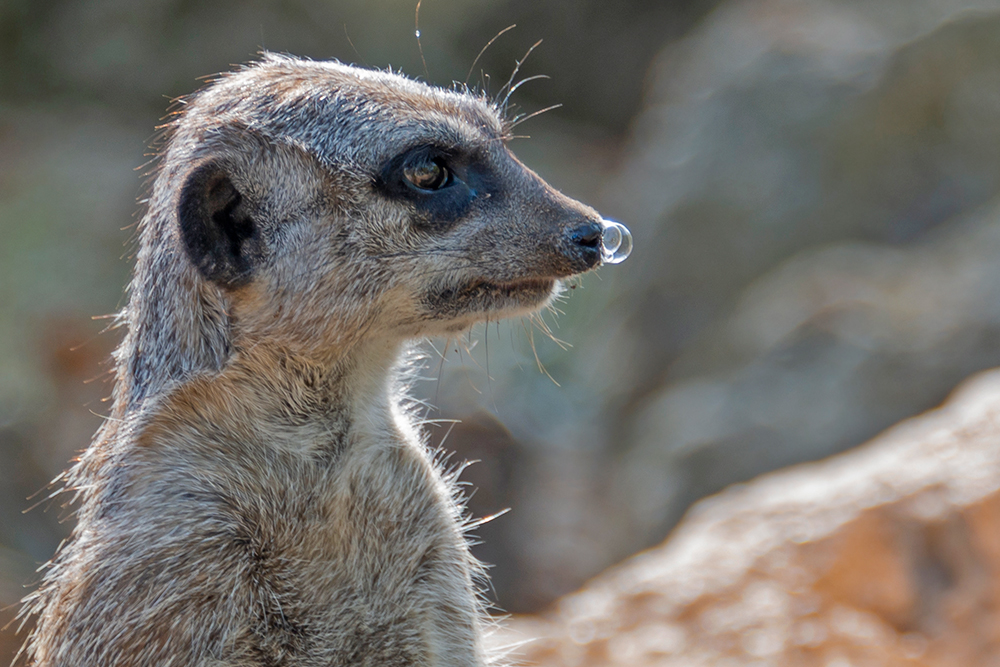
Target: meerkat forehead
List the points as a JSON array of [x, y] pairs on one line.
[[348, 117]]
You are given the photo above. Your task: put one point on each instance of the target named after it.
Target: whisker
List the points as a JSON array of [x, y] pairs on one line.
[[538, 360], [351, 42], [416, 27], [518, 121], [488, 45], [464, 366], [442, 354], [510, 82], [543, 326], [524, 81], [489, 380]]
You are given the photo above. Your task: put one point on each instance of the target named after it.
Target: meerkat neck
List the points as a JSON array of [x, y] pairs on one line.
[[295, 402], [331, 396]]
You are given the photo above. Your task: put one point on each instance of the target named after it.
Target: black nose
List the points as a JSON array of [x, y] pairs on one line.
[[587, 235], [582, 245]]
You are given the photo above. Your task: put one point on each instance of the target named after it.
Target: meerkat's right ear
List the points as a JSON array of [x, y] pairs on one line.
[[219, 234]]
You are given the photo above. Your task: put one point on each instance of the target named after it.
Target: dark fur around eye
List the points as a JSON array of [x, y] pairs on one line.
[[449, 196]]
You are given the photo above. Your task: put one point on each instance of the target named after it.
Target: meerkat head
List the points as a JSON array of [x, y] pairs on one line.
[[326, 201]]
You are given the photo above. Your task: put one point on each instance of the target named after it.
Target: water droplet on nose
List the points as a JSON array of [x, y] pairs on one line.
[[616, 242]]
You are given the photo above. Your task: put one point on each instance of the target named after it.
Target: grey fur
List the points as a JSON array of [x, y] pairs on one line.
[[260, 494]]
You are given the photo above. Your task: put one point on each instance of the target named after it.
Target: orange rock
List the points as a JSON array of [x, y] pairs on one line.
[[888, 555]]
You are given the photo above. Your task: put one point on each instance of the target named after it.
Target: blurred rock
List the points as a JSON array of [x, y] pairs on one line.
[[812, 188], [887, 555], [834, 344], [779, 126]]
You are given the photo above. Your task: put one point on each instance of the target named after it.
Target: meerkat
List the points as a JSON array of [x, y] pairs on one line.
[[260, 493]]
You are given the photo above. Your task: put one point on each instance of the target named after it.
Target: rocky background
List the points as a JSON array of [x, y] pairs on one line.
[[812, 185], [886, 556]]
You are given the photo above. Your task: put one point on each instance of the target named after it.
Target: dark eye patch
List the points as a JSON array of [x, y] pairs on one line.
[[451, 179]]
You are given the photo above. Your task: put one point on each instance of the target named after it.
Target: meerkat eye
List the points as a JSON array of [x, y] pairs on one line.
[[436, 184], [428, 174]]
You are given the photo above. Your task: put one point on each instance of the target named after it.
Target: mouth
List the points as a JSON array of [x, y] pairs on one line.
[[517, 289], [485, 297]]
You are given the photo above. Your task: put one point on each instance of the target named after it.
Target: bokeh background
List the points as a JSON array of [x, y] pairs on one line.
[[812, 186]]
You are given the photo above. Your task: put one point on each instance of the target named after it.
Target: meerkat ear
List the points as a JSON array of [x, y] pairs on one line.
[[220, 236]]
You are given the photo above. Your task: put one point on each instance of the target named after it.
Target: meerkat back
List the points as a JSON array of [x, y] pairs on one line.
[[260, 494]]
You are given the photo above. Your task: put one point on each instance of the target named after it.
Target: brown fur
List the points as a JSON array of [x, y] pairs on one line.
[[260, 494]]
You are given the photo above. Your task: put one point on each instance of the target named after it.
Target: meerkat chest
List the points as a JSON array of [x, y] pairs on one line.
[[368, 556]]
